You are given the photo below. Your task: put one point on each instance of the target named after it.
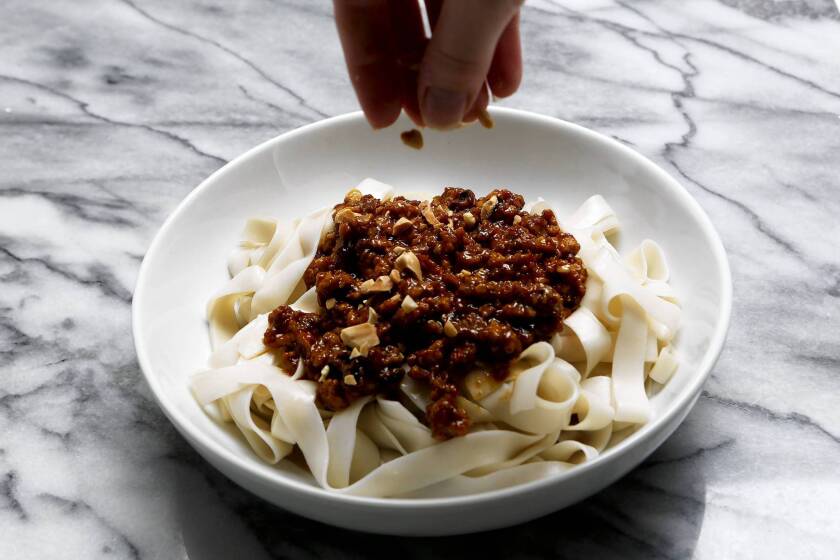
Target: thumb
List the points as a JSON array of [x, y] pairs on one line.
[[458, 57]]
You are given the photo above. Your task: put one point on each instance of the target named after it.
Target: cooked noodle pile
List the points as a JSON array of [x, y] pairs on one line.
[[564, 402]]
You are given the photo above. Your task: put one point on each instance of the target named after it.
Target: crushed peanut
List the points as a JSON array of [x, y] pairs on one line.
[[344, 215], [449, 329], [362, 336], [485, 119], [409, 260], [488, 206], [381, 284], [408, 304], [426, 210], [401, 225], [349, 380]]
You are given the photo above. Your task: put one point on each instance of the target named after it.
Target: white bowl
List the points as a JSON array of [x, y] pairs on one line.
[[312, 167]]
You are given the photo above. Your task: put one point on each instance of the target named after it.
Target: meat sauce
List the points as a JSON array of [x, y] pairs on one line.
[[445, 286]]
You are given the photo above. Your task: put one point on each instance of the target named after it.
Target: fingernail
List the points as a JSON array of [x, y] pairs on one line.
[[443, 108]]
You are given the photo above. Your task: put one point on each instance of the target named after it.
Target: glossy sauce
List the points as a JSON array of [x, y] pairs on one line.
[[493, 279]]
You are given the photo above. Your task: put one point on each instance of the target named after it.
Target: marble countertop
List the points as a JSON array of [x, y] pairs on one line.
[[112, 110]]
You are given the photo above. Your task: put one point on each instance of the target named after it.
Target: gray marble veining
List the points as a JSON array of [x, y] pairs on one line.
[[112, 110]]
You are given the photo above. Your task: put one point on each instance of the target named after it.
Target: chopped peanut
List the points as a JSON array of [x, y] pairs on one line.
[[408, 304], [409, 260], [426, 210], [381, 284], [401, 225], [362, 336], [488, 206]]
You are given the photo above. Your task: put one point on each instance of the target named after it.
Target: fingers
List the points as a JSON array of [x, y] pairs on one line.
[[409, 44], [384, 45], [478, 105], [506, 69], [459, 56], [433, 8], [364, 28]]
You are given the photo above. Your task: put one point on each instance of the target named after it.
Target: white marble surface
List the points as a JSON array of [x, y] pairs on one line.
[[112, 110]]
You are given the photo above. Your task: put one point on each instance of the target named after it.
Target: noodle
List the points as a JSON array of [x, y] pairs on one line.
[[561, 405]]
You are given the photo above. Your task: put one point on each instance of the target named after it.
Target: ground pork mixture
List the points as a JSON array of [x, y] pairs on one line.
[[431, 290]]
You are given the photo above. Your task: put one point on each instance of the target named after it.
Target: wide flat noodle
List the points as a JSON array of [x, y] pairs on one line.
[[593, 214], [592, 336], [594, 409], [341, 438], [440, 462], [647, 263], [221, 314], [378, 189], [665, 366], [255, 429], [664, 317], [628, 371], [286, 269], [564, 402], [466, 485], [539, 400]]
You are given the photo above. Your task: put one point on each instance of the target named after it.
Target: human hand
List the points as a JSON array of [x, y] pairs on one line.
[[440, 82]]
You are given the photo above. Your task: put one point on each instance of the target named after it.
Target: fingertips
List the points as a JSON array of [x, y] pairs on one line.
[[458, 58], [365, 33], [409, 44], [505, 73], [443, 108], [378, 92], [381, 104], [479, 105]]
